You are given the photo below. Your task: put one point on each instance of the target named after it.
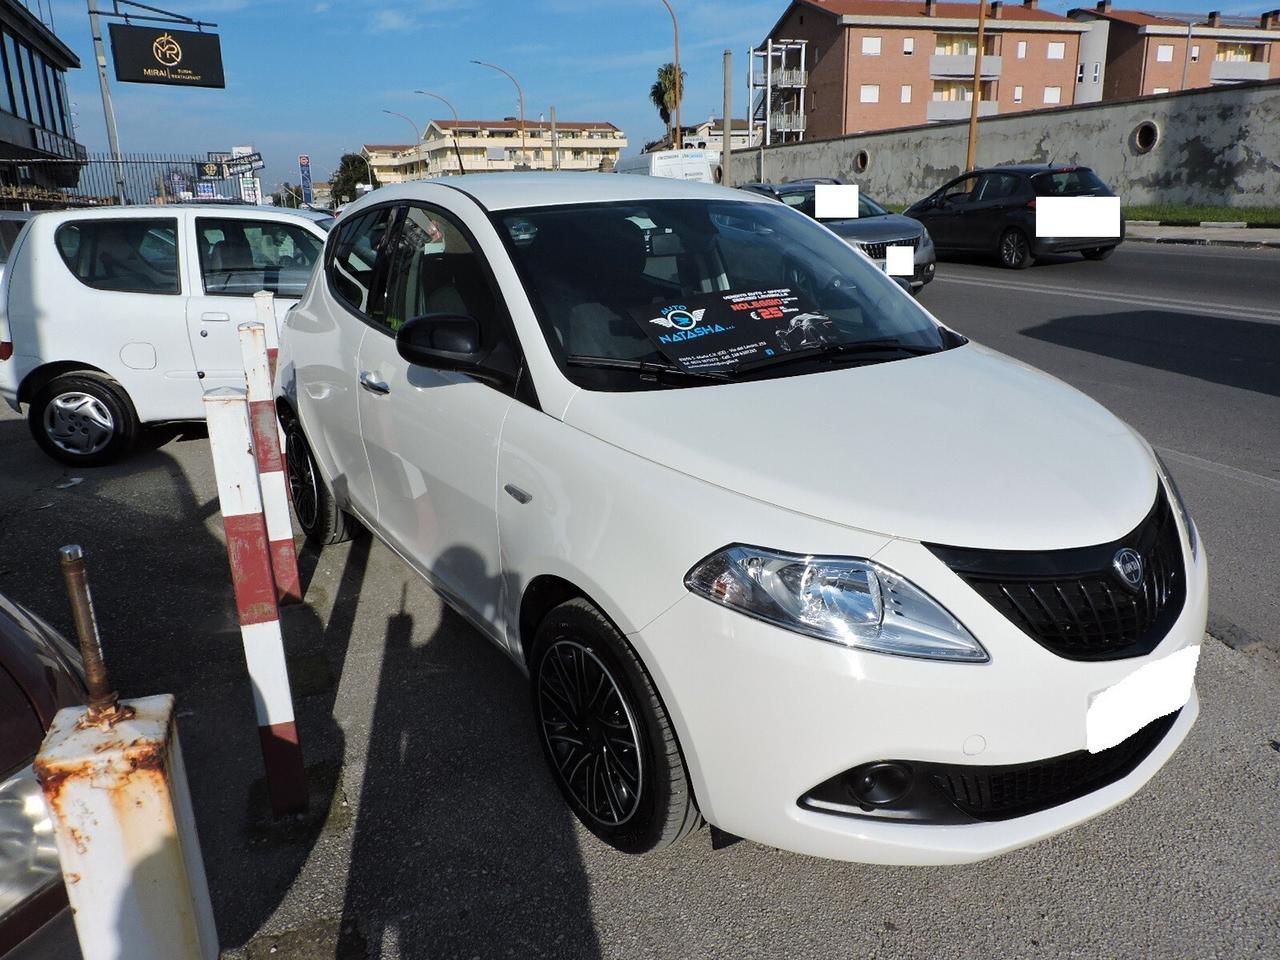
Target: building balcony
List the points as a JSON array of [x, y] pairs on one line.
[[787, 122], [782, 78], [961, 65], [1236, 71], [959, 109]]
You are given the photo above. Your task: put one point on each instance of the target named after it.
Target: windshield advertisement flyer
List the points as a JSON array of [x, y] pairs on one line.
[[720, 330]]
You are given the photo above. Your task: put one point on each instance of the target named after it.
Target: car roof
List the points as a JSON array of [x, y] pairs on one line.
[[145, 211], [506, 191], [1032, 168]]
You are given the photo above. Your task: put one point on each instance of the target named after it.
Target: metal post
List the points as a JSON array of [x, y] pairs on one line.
[[456, 149], [417, 156], [116, 791], [240, 498], [1186, 59], [971, 155], [524, 153], [555, 141], [113, 136], [675, 25], [726, 140]]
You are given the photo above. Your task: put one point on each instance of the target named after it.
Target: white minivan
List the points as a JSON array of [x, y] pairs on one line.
[[700, 166], [118, 317], [777, 549]]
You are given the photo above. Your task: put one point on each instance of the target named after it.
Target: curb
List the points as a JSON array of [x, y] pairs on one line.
[[1206, 242]]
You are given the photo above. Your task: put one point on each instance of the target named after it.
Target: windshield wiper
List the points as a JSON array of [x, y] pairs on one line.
[[883, 345], [654, 367]]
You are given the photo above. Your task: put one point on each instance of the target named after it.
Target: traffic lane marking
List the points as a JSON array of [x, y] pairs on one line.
[[1181, 306]]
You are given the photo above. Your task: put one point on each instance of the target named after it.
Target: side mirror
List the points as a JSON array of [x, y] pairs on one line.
[[443, 341]]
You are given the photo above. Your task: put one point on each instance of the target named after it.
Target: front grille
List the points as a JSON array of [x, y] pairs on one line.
[[1074, 602], [1000, 793], [876, 251]]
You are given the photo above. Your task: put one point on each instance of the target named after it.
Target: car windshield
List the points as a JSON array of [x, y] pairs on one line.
[[806, 202], [716, 287], [1078, 182]]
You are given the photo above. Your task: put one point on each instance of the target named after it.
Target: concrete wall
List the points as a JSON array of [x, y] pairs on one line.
[[1216, 146]]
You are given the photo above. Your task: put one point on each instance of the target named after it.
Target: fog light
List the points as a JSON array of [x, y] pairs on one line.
[[879, 784]]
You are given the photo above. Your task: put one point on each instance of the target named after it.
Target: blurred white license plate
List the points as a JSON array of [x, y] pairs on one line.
[[1150, 692]]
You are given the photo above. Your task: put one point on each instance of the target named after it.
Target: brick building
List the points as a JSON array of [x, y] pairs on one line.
[[876, 64], [1130, 53]]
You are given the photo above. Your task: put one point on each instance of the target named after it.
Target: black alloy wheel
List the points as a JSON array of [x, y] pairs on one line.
[[1015, 250], [314, 506], [606, 734]]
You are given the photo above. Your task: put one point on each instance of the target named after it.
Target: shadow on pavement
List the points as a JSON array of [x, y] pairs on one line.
[[1236, 353], [463, 846], [162, 590]]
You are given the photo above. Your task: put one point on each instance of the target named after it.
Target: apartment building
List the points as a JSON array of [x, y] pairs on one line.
[[483, 146], [1131, 53], [876, 64]]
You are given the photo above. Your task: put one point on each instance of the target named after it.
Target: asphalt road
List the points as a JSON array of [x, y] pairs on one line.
[[1184, 343], [436, 832]]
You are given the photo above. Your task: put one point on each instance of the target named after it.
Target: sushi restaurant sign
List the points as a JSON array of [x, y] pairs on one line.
[[182, 58]]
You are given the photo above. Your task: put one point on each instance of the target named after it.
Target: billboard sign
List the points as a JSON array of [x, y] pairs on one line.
[[205, 190], [304, 168], [250, 191], [182, 58]]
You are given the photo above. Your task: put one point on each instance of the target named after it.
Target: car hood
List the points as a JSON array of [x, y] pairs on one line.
[[876, 229], [965, 447]]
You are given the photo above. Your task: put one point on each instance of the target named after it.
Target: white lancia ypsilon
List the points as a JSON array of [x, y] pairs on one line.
[[777, 549]]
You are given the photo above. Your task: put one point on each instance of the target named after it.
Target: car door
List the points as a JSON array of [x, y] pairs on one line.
[[946, 219], [324, 333], [235, 258], [431, 436], [987, 215]]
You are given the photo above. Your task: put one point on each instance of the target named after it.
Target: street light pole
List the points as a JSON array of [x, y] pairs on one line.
[[417, 134], [524, 153], [457, 151], [971, 155], [113, 135], [675, 24]]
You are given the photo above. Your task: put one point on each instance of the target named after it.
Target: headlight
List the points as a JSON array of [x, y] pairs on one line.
[[1180, 505], [28, 856], [856, 603], [925, 239]]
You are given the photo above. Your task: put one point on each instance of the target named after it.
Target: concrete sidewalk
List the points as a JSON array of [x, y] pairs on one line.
[[1142, 232]]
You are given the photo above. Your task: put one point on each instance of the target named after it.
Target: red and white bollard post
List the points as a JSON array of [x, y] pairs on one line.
[[116, 791], [265, 303], [231, 441], [273, 481]]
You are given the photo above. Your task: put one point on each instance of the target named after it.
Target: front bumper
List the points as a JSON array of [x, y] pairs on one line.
[[765, 715]]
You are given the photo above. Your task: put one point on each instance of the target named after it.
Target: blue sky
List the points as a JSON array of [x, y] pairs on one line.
[[312, 76]]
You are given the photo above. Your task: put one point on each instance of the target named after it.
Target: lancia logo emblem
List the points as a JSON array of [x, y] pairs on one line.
[[1128, 564]]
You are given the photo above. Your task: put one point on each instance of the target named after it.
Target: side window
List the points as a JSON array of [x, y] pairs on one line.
[[998, 186], [126, 256], [355, 259], [960, 191], [240, 257], [434, 269]]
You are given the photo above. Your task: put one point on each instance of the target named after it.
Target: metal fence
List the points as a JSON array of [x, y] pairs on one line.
[[94, 180]]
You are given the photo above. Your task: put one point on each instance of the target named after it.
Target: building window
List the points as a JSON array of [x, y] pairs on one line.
[[908, 45], [1017, 94], [952, 91], [1239, 53], [1057, 50], [1195, 53], [1022, 49], [1052, 94], [1097, 71], [871, 46], [906, 93], [1164, 53], [870, 93], [1160, 90], [956, 44], [1080, 73]]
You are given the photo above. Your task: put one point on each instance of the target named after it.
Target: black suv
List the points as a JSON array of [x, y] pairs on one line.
[[994, 211]]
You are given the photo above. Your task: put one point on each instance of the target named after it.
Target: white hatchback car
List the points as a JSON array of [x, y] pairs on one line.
[[118, 317], [776, 548]]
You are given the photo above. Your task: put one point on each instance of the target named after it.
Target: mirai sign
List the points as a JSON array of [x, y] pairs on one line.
[[182, 58]]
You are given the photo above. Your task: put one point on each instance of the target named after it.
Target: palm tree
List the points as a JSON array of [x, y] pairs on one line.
[[665, 93]]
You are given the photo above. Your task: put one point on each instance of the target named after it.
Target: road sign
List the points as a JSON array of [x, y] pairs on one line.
[[241, 165], [304, 166]]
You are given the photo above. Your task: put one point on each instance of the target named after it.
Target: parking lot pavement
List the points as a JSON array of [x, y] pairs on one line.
[[436, 831]]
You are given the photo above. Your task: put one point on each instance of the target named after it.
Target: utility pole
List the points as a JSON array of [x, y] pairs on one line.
[[524, 152], [113, 136], [456, 149], [726, 132], [417, 142], [555, 142], [971, 156], [679, 80]]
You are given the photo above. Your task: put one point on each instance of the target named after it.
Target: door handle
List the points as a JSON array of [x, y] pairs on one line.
[[373, 384], [216, 317]]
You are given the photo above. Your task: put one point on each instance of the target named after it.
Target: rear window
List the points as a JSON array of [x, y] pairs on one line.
[[125, 256], [1080, 182]]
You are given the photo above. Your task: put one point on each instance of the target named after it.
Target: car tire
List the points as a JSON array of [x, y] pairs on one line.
[[1015, 250], [314, 505], [1097, 253], [83, 419], [615, 759]]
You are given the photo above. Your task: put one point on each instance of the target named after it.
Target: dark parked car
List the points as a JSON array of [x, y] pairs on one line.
[[40, 673], [874, 229], [994, 211]]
